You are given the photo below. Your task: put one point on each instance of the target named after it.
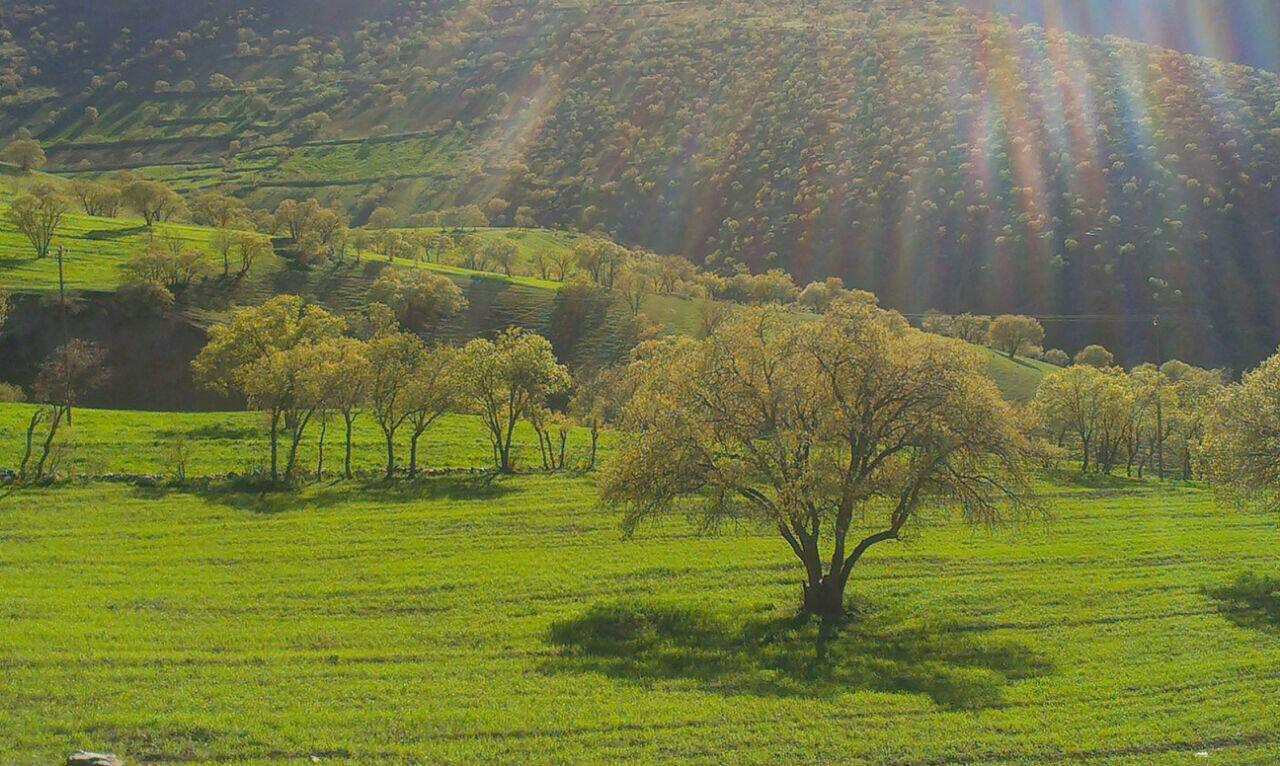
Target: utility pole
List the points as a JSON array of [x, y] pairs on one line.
[[62, 305]]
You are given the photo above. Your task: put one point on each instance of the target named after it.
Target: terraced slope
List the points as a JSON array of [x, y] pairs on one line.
[[939, 157]]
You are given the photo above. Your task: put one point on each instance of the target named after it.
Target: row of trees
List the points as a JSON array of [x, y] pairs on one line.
[[1149, 419], [296, 363]]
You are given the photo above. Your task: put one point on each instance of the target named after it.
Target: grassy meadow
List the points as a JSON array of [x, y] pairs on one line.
[[450, 621]]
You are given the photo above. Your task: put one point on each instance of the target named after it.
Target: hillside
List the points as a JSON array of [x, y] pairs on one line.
[[588, 327], [920, 150], [1242, 31]]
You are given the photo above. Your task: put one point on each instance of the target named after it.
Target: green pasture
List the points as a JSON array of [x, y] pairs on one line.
[[454, 621]]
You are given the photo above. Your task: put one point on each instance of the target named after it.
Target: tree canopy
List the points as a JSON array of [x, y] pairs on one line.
[[848, 424]]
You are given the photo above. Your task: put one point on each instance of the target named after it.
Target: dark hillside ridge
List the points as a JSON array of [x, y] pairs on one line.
[[1244, 31], [932, 154], [149, 353]]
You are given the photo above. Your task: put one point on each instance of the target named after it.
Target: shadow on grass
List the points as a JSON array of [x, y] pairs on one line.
[[1250, 602], [1071, 476], [213, 431], [652, 642], [128, 231], [264, 497]]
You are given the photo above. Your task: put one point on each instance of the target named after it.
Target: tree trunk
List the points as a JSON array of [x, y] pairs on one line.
[[595, 439], [346, 462], [1160, 438], [324, 426], [275, 439], [48, 442], [36, 418], [391, 456], [542, 447], [413, 454]]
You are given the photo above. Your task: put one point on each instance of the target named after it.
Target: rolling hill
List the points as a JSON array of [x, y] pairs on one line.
[[150, 351], [937, 156]]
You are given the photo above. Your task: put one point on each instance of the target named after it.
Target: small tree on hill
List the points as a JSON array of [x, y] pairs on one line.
[[96, 198], [970, 328], [562, 259], [37, 216], [1095, 356], [382, 218], [1056, 357], [172, 268], [502, 253], [152, 200], [814, 430], [220, 211], [251, 248], [419, 298], [26, 154], [1015, 334], [601, 259], [504, 379]]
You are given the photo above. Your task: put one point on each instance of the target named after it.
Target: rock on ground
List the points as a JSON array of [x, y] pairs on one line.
[[85, 758]]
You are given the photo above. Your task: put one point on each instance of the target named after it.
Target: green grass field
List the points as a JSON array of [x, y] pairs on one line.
[[448, 622], [95, 248]]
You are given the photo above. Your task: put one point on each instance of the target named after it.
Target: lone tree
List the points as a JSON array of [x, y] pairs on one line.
[[26, 154], [845, 425], [237, 351], [1015, 334], [70, 372], [504, 380], [37, 215]]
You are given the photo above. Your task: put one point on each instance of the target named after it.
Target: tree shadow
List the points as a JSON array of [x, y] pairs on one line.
[[778, 656], [478, 485], [214, 431], [103, 234], [1072, 476], [264, 497], [1250, 602]]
